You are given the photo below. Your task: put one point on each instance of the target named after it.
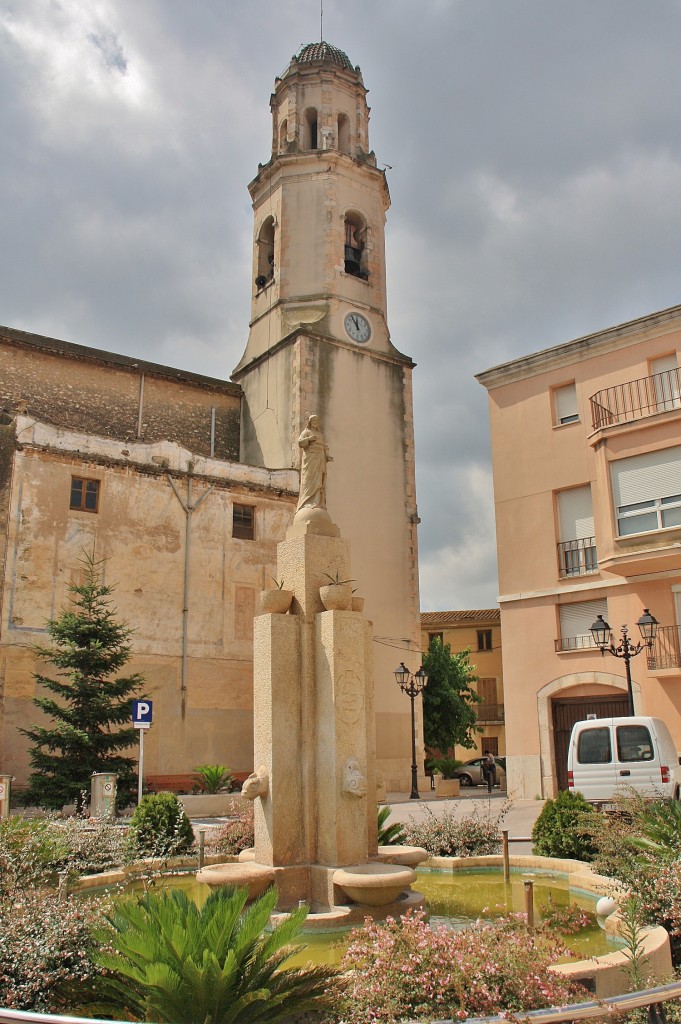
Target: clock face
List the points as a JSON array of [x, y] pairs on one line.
[[357, 327]]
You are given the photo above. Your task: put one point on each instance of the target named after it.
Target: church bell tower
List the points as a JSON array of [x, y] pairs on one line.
[[319, 343]]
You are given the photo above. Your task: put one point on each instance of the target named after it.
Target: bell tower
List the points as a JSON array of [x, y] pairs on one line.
[[319, 343]]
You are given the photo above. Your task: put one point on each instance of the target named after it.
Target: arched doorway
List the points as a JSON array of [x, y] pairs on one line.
[[567, 700], [567, 711]]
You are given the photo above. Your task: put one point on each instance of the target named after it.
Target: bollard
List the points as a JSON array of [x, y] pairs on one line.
[[63, 890], [103, 795], [504, 851], [202, 846], [5, 794], [529, 905]]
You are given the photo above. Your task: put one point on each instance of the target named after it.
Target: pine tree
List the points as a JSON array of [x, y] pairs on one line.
[[93, 703]]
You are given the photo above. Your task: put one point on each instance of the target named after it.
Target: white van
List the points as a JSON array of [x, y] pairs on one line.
[[607, 756]]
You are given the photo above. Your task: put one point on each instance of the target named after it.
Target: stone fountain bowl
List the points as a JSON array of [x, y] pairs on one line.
[[374, 884], [254, 877], [407, 855]]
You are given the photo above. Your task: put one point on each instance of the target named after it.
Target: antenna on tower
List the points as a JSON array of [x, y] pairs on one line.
[[321, 21]]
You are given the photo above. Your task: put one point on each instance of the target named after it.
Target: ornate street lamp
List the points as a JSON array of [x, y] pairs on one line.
[[626, 649], [413, 686]]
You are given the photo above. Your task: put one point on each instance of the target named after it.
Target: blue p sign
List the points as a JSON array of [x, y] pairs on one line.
[[142, 711]]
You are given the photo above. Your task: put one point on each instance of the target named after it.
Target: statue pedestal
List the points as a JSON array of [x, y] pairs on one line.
[[314, 728]]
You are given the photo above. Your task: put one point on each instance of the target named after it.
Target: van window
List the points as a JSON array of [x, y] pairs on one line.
[[634, 743], [594, 747]]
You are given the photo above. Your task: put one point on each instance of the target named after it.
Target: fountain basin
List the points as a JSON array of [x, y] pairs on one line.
[[254, 877], [406, 855], [374, 884]]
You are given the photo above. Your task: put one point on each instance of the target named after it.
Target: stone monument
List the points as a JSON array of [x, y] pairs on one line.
[[314, 786]]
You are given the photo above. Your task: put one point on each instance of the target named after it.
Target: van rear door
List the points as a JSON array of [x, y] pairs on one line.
[[591, 761], [638, 759]]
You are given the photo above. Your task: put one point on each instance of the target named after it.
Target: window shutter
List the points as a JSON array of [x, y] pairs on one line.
[[575, 513], [645, 477], [667, 386], [577, 619], [566, 403]]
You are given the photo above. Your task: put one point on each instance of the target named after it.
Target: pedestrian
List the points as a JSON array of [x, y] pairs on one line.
[[489, 771]]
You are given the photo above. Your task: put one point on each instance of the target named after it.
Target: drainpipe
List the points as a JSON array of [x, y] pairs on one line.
[[188, 508]]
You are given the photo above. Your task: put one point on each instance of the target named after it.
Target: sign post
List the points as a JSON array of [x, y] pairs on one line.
[[142, 711]]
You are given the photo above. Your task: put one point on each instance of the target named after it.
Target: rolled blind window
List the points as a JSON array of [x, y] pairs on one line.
[[575, 513], [576, 621], [565, 400]]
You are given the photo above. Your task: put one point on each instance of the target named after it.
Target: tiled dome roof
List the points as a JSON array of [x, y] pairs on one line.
[[323, 53]]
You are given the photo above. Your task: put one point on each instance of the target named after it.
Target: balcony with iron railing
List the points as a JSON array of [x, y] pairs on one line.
[[636, 399], [490, 713], [575, 643], [666, 649], [577, 557]]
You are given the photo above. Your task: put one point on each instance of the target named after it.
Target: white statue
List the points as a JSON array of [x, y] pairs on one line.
[[315, 455], [257, 784], [354, 781]]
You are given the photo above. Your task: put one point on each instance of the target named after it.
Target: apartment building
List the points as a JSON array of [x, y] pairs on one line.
[[586, 452], [480, 632]]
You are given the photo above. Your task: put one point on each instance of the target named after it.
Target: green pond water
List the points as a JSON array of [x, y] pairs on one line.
[[455, 900]]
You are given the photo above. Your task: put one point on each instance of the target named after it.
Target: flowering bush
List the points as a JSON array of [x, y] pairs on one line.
[[238, 833], [88, 845], [658, 890], [447, 835], [408, 970], [28, 852], [45, 948]]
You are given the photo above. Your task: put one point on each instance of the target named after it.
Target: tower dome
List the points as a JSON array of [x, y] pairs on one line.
[[322, 53]]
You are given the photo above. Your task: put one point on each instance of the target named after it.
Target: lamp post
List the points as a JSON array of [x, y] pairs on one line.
[[413, 686], [626, 649]]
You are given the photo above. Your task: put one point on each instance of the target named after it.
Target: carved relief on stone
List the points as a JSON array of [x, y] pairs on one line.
[[350, 698], [257, 784], [354, 780]]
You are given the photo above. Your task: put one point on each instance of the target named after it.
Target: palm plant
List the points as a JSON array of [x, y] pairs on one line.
[[170, 961], [389, 835], [660, 822], [212, 777]]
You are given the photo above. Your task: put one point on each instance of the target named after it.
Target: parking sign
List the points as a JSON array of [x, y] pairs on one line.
[[142, 711]]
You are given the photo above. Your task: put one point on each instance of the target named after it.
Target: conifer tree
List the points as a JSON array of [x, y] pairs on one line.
[[92, 704]]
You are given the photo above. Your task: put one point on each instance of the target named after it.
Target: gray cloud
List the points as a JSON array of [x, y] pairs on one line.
[[536, 169]]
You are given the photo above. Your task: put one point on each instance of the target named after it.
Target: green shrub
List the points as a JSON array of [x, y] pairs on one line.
[[159, 828], [562, 829]]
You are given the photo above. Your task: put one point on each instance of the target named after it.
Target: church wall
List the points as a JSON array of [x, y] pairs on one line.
[[140, 530], [81, 390]]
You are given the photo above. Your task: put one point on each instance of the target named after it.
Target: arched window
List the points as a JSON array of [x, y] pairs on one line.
[[343, 133], [283, 132], [310, 128], [355, 245], [265, 246]]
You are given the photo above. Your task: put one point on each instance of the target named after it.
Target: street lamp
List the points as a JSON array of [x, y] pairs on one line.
[[626, 649], [413, 686]]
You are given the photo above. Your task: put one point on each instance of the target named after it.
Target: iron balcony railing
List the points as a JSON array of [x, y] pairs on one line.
[[577, 557], [636, 399], [490, 712], [575, 643], [666, 649]]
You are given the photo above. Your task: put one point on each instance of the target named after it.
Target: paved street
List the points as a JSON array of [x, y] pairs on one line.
[[519, 818]]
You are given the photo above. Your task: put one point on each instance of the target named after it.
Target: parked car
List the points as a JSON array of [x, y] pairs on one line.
[[470, 774]]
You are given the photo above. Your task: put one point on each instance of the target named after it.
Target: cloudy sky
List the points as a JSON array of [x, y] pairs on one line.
[[535, 148]]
